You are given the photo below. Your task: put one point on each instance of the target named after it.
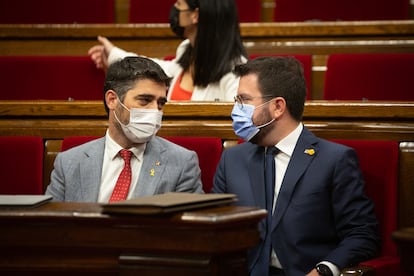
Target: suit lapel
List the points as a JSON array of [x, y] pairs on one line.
[[91, 170], [152, 169], [302, 156]]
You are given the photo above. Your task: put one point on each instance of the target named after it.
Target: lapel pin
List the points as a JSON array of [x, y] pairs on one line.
[[157, 163], [309, 151], [152, 172]]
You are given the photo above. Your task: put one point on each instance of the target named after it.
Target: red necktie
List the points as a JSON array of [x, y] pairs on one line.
[[124, 180]]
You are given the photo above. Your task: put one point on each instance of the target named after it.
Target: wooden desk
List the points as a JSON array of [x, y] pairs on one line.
[[405, 241], [77, 239]]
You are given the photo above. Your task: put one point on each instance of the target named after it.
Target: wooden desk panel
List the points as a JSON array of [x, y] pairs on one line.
[[405, 241], [68, 238]]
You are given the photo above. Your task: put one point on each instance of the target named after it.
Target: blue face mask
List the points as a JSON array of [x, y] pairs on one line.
[[242, 121]]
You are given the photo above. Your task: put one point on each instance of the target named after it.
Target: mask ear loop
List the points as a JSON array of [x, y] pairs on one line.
[[268, 123], [126, 108]]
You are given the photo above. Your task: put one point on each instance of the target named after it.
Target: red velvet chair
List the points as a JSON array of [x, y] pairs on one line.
[[385, 77], [50, 78], [208, 150], [73, 141], [334, 10], [22, 166], [249, 10], [306, 61], [57, 11], [149, 11], [157, 11], [379, 166]]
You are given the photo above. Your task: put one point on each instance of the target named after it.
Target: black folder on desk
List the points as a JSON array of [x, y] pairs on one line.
[[167, 203]]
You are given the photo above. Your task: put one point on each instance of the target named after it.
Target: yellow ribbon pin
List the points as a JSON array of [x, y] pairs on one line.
[[152, 172], [309, 151]]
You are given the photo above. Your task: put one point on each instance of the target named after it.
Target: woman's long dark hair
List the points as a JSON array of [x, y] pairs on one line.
[[218, 46]]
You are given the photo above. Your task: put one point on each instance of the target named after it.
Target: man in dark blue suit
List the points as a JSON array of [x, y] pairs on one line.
[[320, 220]]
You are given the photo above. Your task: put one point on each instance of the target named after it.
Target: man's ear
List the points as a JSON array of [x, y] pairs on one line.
[[278, 106], [111, 99]]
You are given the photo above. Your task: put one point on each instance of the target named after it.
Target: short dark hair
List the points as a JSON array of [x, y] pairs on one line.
[[123, 74], [279, 76]]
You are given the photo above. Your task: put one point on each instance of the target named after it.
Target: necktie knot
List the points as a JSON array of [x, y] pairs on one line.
[[125, 154], [272, 151]]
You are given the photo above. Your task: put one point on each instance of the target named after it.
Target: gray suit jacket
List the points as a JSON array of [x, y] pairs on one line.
[[77, 172]]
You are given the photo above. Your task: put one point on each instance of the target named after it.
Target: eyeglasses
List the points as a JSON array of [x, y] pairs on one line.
[[240, 99]]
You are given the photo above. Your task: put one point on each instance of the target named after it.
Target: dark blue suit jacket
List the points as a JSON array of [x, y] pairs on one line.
[[321, 212]]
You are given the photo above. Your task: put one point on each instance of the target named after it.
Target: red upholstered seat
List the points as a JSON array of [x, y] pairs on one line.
[[306, 61], [57, 11], [145, 11], [249, 11], [333, 10], [208, 150], [379, 165], [157, 11], [50, 78], [386, 76], [22, 165], [73, 141]]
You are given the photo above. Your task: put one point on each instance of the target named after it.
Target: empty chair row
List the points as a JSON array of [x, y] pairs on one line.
[[50, 78], [382, 77], [100, 11], [339, 10], [385, 77], [157, 11]]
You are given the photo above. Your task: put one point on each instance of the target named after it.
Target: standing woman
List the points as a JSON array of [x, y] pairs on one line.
[[212, 47]]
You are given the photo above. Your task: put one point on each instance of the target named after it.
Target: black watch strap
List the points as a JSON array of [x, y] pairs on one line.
[[324, 270]]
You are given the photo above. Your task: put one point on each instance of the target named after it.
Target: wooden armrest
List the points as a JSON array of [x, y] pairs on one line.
[[357, 271]]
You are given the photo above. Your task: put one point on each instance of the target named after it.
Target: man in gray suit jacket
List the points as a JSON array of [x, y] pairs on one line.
[[135, 93]]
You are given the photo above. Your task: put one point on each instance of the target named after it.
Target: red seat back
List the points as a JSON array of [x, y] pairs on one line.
[[249, 11], [383, 77], [50, 78], [22, 166], [379, 165], [208, 150], [333, 10], [145, 11], [157, 11], [57, 11], [306, 61], [73, 141]]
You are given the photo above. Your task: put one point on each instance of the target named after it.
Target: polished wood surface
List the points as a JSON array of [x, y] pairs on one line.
[[405, 241], [328, 119], [68, 238]]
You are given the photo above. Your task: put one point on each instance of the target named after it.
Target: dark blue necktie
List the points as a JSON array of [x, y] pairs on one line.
[[264, 261]]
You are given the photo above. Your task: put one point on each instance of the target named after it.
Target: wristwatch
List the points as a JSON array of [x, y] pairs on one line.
[[323, 270]]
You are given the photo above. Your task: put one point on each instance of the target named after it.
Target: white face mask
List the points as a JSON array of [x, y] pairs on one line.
[[143, 124]]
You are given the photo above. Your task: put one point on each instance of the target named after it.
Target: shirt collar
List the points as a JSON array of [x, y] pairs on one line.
[[112, 148], [287, 144]]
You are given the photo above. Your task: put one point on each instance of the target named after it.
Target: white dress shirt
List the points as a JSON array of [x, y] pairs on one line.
[[113, 165]]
